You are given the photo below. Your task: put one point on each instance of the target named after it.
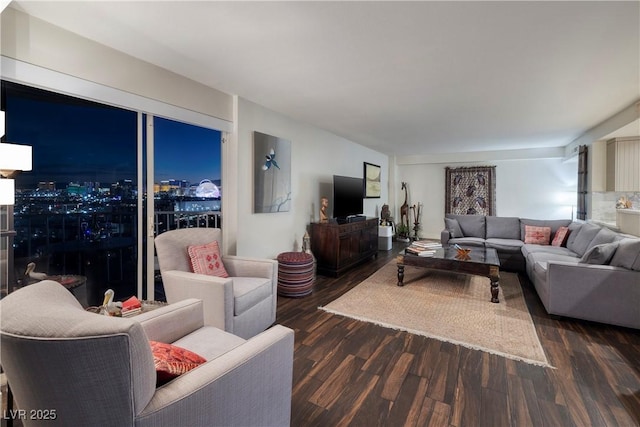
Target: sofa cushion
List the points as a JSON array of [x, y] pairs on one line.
[[560, 237], [503, 227], [505, 245], [537, 235], [468, 241], [574, 228], [249, 291], [599, 254], [555, 224], [584, 237], [604, 236], [453, 226], [209, 342], [471, 225], [627, 255], [558, 250], [534, 257]]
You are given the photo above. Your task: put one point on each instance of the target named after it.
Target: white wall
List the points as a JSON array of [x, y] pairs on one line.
[[531, 188], [316, 155], [36, 42]]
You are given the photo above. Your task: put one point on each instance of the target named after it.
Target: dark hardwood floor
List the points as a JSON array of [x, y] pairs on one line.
[[348, 372]]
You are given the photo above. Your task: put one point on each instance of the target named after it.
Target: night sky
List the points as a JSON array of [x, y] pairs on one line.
[[184, 151], [80, 141]]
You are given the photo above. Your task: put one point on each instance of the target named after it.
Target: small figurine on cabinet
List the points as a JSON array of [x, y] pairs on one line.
[[385, 215], [324, 204], [306, 243]]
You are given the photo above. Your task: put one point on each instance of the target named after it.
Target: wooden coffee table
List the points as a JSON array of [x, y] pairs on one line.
[[480, 261]]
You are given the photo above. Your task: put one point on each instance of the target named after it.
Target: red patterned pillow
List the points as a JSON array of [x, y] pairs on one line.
[[560, 238], [206, 259], [537, 235], [172, 361]]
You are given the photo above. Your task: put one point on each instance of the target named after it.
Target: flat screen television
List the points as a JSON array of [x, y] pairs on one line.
[[348, 196]]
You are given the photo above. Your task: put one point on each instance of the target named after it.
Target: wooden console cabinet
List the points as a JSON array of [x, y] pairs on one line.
[[338, 247]]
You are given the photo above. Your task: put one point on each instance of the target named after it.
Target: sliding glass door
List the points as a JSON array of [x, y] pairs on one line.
[[187, 188], [75, 212], [83, 208]]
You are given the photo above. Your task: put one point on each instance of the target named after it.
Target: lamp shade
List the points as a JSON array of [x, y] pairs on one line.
[[14, 157], [7, 192]]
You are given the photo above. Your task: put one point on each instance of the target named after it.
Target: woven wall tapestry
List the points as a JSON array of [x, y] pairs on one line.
[[470, 190]]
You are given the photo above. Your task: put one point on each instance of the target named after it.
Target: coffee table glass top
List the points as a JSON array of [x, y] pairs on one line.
[[476, 254]]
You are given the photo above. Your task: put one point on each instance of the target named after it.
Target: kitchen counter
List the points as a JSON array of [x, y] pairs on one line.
[[629, 211], [628, 221]]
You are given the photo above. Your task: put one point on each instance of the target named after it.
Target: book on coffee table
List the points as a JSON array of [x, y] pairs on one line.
[[423, 248]]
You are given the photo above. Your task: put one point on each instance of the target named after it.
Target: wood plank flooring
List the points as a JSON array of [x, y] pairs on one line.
[[351, 373]]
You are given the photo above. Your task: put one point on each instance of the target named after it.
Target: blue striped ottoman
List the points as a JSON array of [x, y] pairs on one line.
[[295, 274]]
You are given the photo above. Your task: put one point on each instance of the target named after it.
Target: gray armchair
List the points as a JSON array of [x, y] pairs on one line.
[[84, 369], [243, 304]]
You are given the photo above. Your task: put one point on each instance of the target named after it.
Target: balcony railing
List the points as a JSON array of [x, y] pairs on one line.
[[172, 220], [100, 246]]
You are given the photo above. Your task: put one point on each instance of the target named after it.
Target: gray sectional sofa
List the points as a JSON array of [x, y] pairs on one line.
[[594, 275]]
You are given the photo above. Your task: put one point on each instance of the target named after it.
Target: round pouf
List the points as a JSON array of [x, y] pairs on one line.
[[295, 274]]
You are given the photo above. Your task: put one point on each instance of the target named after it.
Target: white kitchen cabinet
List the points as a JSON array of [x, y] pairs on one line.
[[628, 221], [623, 164]]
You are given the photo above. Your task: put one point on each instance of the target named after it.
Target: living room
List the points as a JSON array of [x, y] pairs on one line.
[[555, 167], [531, 182]]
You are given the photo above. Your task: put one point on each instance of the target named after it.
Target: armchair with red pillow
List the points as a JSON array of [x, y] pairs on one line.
[[239, 293], [55, 351]]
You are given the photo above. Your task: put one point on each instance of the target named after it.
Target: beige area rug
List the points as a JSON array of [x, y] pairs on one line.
[[449, 307]]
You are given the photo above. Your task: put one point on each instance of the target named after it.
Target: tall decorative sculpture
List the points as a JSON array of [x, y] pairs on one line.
[[324, 204], [403, 230], [416, 219]]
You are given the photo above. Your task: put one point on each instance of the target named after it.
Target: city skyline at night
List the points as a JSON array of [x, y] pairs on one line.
[[81, 141], [76, 211]]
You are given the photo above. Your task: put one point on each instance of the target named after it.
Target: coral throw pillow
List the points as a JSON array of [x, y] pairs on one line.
[[206, 259], [537, 235], [560, 238], [172, 361]]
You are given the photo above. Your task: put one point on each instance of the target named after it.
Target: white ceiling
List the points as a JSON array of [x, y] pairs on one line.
[[400, 77]]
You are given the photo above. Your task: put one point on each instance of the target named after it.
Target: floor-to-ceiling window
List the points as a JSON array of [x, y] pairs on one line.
[[77, 211], [187, 185]]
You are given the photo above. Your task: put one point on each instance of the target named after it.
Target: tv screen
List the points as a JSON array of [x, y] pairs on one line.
[[348, 196]]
